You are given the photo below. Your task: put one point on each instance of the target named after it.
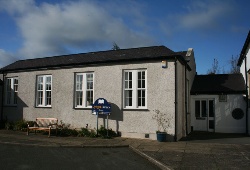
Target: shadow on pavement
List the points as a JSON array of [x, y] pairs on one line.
[[199, 135]]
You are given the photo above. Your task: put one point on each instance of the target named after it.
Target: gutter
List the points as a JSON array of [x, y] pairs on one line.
[[176, 102], [91, 63], [1, 118]]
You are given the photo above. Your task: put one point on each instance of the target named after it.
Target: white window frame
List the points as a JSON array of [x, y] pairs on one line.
[[82, 88], [11, 91], [42, 97], [134, 90]]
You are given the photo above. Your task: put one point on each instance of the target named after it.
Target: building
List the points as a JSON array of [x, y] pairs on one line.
[[244, 64], [135, 81], [218, 103]]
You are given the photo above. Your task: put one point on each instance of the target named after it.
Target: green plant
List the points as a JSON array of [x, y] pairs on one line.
[[8, 125], [64, 130], [106, 133], [20, 125], [84, 132], [162, 119]]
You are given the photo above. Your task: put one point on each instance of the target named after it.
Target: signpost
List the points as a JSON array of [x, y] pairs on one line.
[[101, 106]]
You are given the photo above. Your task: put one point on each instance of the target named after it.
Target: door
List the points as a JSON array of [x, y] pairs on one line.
[[205, 113], [210, 118]]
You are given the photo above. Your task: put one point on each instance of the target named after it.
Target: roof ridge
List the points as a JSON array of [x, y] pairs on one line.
[[91, 52]]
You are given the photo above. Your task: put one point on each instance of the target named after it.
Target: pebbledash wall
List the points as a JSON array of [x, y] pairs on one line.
[[108, 84], [223, 119]]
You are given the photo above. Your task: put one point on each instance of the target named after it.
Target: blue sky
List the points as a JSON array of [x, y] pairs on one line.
[[41, 28]]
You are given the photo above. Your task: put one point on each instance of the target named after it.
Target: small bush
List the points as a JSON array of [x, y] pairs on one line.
[[84, 132], [20, 125], [9, 125], [64, 130], [106, 133]]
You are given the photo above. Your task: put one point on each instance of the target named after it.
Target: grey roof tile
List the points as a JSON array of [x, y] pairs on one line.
[[143, 53], [218, 84]]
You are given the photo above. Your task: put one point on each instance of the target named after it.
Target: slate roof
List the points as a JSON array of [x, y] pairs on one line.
[[244, 49], [111, 56], [218, 84]]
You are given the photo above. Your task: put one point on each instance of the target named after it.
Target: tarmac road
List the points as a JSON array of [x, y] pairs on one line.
[[20, 157], [198, 151]]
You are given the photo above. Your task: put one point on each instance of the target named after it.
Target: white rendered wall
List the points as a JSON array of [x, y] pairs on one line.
[[108, 85], [224, 122]]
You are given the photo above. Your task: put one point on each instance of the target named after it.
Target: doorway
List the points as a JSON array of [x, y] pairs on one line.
[[205, 114]]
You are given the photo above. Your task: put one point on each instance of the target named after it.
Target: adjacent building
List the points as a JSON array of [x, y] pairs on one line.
[[218, 103], [244, 64]]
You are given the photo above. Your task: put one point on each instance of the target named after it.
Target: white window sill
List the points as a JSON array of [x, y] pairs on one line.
[[89, 107], [43, 106], [135, 109]]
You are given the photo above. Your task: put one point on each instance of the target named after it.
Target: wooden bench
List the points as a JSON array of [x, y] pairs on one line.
[[44, 124]]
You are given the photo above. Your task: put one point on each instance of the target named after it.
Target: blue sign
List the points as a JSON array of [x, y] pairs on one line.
[[101, 106]]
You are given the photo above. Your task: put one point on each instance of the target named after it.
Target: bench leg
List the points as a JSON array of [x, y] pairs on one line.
[[49, 132]]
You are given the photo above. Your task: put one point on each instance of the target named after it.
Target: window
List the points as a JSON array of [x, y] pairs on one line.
[[135, 89], [11, 91], [84, 90], [200, 108], [204, 108], [44, 91]]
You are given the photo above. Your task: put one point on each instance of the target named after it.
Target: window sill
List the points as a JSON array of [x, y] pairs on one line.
[[82, 108], [130, 109], [48, 107]]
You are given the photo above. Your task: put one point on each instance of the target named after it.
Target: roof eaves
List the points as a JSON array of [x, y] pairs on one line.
[[91, 63], [216, 92], [243, 51]]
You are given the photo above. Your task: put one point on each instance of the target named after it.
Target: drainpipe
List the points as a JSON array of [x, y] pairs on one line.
[[176, 102], [246, 95], [186, 91], [2, 97]]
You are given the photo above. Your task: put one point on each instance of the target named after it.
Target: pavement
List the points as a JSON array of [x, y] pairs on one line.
[[197, 151]]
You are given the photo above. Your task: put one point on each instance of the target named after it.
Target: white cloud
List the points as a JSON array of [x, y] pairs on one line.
[[52, 29], [203, 15], [6, 58], [16, 6], [199, 17]]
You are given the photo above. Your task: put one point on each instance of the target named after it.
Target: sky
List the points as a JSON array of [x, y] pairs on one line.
[[42, 28]]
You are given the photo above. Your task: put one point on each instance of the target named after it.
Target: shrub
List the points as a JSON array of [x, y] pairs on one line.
[[9, 125], [84, 132], [64, 130], [103, 132], [20, 125]]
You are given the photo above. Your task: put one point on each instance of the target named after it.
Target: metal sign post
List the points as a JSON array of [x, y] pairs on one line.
[[97, 123], [101, 106], [107, 125]]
